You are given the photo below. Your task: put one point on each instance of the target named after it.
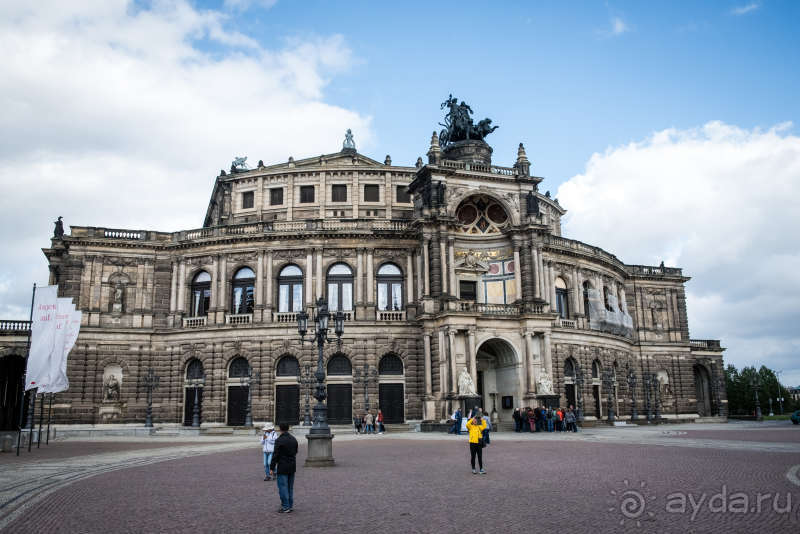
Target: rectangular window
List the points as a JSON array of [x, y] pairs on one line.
[[402, 194], [371, 193], [247, 200], [467, 289], [276, 196], [306, 194], [339, 193], [333, 297]]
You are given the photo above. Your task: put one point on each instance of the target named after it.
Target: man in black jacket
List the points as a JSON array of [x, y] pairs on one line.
[[283, 464]]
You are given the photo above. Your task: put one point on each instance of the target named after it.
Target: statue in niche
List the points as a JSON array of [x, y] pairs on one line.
[[119, 293], [545, 385], [466, 386], [112, 388]]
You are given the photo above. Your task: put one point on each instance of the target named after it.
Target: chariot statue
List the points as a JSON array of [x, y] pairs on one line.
[[458, 125]]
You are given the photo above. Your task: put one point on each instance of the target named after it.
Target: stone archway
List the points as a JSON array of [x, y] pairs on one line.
[[499, 373], [702, 384]]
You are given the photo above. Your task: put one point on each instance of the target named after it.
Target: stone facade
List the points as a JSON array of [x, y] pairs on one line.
[[452, 264]]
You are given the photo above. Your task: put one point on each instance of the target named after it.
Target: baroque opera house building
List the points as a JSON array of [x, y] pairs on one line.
[[451, 267]]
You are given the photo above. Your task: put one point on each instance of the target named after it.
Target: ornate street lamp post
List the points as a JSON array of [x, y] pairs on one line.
[[632, 389], [647, 394], [150, 380], [579, 381], [780, 402], [248, 380], [656, 385], [320, 444], [306, 379], [365, 377], [771, 413], [608, 383], [754, 384], [197, 382]]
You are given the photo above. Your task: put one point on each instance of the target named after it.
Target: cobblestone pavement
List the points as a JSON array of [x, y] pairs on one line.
[[605, 479]]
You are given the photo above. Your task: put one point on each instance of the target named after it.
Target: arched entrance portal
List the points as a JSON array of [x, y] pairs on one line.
[[499, 377], [11, 369], [702, 385]]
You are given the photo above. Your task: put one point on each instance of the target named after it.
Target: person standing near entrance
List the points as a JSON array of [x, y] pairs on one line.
[[283, 466], [475, 427], [456, 428], [268, 447], [379, 422], [368, 418]]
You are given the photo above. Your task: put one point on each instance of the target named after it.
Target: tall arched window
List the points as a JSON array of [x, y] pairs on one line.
[[562, 302], [194, 370], [242, 292], [606, 301], [239, 367], [569, 367], [595, 369], [390, 365], [290, 289], [340, 287], [339, 365], [586, 287], [201, 294], [390, 287], [288, 366]]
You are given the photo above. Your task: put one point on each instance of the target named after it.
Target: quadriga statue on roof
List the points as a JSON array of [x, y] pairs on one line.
[[458, 125]]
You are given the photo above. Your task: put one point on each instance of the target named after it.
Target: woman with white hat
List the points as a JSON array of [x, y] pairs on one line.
[[268, 446]]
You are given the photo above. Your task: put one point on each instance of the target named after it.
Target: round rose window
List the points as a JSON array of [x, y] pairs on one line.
[[481, 214]]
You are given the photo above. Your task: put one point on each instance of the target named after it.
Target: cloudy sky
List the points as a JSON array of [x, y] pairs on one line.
[[669, 131]]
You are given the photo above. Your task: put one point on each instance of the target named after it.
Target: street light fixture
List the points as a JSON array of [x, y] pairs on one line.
[[197, 382], [247, 380], [320, 445], [754, 384], [608, 383], [579, 381], [364, 377], [150, 382], [632, 389], [306, 379]]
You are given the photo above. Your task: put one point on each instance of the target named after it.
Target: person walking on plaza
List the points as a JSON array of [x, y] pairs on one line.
[[356, 424], [456, 428], [283, 466], [517, 420], [569, 419], [475, 427], [379, 422], [368, 419], [268, 438], [486, 419]]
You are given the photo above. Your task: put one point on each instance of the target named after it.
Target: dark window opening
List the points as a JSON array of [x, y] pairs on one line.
[[402, 194], [247, 199], [371, 193], [288, 366], [276, 196], [562, 303], [306, 194], [468, 289], [390, 365], [338, 193]]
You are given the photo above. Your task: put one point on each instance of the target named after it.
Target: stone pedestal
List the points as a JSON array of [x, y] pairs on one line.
[[320, 450], [548, 400], [110, 411], [467, 403], [471, 150]]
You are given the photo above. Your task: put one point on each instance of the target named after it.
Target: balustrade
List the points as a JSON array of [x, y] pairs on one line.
[[7, 326], [398, 315], [241, 318], [194, 322]]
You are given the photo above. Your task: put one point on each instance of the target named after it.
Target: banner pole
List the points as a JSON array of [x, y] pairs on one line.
[[22, 380], [41, 420], [32, 418], [49, 418]]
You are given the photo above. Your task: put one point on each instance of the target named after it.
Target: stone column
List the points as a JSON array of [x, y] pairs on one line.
[[548, 356], [472, 357], [543, 274], [173, 289], [531, 379], [260, 280], [426, 279], [517, 273], [426, 341], [579, 292], [443, 260], [451, 351], [182, 287], [309, 278], [360, 277], [270, 289], [444, 381], [320, 279], [418, 262], [552, 281], [410, 277], [537, 275], [370, 297], [451, 264], [222, 298]]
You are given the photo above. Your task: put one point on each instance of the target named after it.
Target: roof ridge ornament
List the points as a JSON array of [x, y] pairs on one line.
[[349, 143]]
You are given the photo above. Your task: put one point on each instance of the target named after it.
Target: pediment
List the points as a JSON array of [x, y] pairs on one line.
[[471, 263]]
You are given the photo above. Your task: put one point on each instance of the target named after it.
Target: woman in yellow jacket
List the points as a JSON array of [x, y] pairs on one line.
[[475, 427]]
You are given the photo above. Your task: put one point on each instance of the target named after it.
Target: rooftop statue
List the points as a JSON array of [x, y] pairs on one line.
[[348, 141], [239, 164], [458, 125]]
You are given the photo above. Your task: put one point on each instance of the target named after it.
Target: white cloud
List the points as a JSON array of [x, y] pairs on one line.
[[618, 26], [244, 5], [747, 8], [721, 202], [123, 116]]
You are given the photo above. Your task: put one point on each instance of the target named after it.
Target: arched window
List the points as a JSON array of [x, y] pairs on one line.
[[339, 365], [201, 294], [288, 366], [290, 289], [390, 287], [340, 287], [239, 367], [586, 287], [194, 369], [562, 302], [390, 365], [481, 214], [569, 367], [595, 369], [242, 292]]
